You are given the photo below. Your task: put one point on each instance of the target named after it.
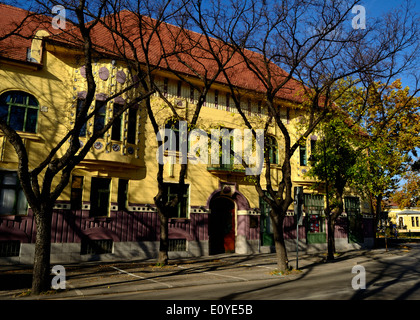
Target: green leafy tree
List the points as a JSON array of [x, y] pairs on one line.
[[334, 167], [409, 194], [390, 116], [367, 147]]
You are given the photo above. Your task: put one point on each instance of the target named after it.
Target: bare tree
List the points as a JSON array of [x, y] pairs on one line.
[[37, 182], [304, 46], [156, 36]]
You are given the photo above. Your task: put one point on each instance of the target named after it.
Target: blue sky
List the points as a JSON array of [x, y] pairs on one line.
[[374, 8]]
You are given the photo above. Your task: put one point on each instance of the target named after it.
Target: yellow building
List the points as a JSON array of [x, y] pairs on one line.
[[107, 210], [406, 220]]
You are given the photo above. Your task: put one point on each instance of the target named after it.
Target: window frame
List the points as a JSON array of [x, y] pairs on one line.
[[132, 125], [184, 202], [117, 127], [100, 116], [122, 196], [83, 130], [18, 192], [303, 155], [314, 210], [95, 194], [272, 149], [76, 203], [26, 106]]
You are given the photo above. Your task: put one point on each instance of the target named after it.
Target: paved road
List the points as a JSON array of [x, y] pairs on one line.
[[389, 275]]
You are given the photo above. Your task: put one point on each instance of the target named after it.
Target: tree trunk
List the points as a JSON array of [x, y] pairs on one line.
[[281, 252], [378, 207], [41, 270], [378, 213], [163, 241], [331, 238]]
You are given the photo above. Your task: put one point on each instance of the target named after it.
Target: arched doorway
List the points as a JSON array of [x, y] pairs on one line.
[[222, 224]]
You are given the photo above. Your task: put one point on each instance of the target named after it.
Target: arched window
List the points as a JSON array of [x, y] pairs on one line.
[[272, 149], [20, 110]]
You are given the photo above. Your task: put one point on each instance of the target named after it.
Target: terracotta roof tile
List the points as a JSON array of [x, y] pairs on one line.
[[197, 58], [23, 24]]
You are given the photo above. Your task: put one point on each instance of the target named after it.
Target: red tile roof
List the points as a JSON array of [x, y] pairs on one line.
[[198, 57], [22, 24]]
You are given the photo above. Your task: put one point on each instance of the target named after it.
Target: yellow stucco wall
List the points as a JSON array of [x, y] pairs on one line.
[[57, 84]]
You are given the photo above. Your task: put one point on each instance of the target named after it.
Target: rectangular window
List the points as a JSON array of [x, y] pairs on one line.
[[117, 126], [265, 216], [182, 209], [267, 238], [204, 100], [314, 209], [313, 145], [79, 108], [227, 146], [100, 115], [412, 222], [89, 246], [12, 197], [227, 102], [9, 248], [99, 197], [417, 221], [165, 87], [76, 193], [177, 245], [191, 94], [132, 123], [179, 89], [122, 194], [302, 155]]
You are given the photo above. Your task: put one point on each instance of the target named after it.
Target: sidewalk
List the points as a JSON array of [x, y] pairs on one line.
[[98, 278]]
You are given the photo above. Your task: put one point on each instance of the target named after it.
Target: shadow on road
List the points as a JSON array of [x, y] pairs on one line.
[[97, 275]]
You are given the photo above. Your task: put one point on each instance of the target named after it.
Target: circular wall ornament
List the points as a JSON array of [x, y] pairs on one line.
[[103, 73], [136, 80], [98, 145], [130, 150], [227, 189], [121, 77], [116, 147]]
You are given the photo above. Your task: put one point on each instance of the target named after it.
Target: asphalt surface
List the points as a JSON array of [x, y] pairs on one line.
[[97, 280]]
